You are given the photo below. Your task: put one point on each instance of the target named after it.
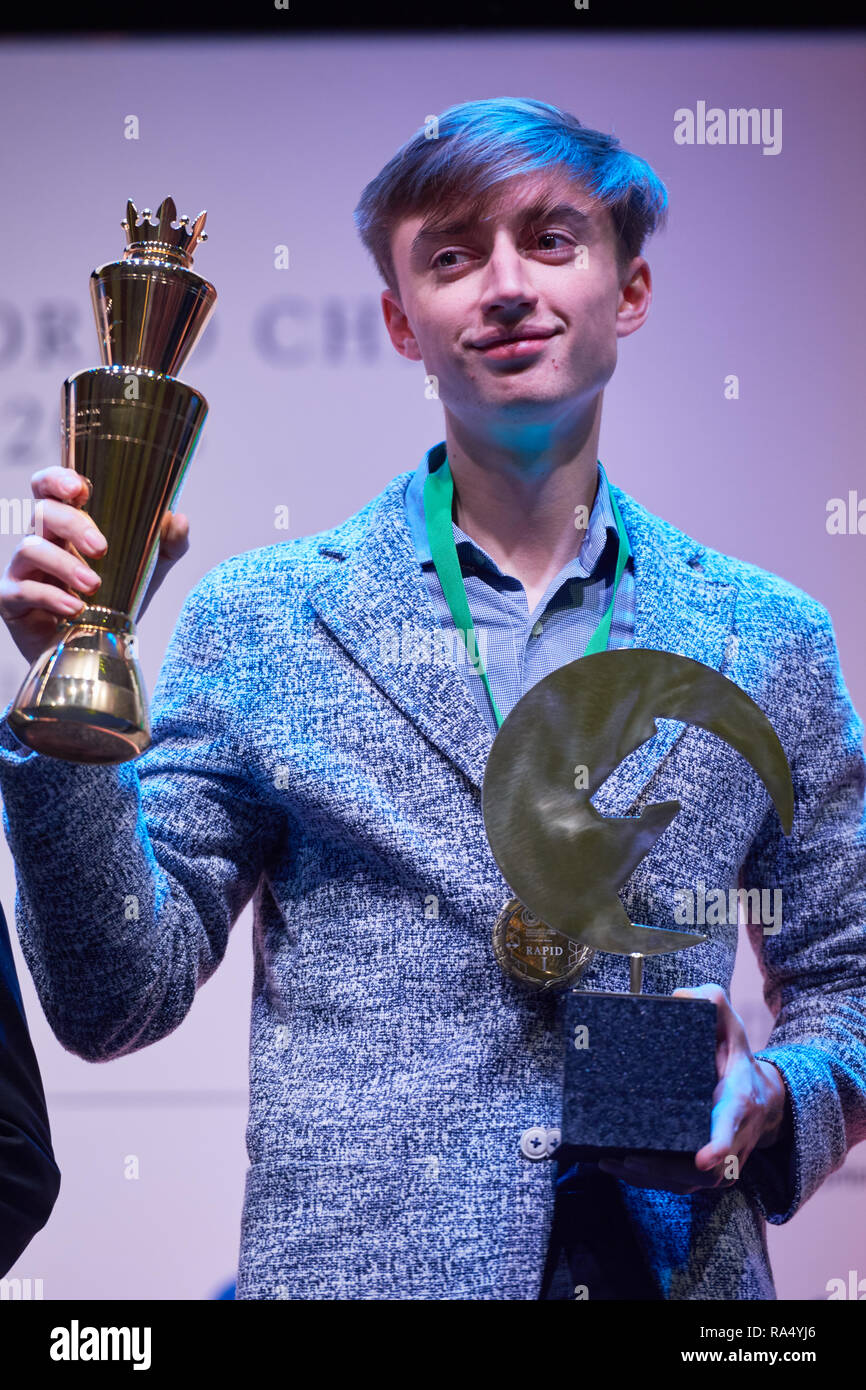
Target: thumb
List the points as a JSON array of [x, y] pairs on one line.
[[173, 537]]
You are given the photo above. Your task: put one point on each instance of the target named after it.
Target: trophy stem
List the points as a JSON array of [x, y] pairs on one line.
[[635, 971]]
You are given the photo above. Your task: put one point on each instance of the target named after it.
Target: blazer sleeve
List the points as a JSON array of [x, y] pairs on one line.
[[814, 966], [29, 1176], [130, 876]]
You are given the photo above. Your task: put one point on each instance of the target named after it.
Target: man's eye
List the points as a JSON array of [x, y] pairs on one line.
[[566, 240], [440, 254], [566, 243]]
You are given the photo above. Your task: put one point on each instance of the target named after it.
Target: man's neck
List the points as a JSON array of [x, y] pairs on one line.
[[528, 510]]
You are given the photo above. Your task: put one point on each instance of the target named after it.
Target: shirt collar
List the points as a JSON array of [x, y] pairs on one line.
[[601, 521]]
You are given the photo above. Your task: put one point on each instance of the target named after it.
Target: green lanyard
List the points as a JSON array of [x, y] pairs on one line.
[[438, 497]]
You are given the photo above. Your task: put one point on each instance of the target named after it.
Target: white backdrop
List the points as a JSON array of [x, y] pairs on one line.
[[311, 408]]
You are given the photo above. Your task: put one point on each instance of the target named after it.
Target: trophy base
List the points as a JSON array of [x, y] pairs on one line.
[[640, 1073], [83, 699], [567, 1154]]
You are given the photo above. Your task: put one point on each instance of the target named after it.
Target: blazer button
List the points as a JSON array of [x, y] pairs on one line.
[[533, 1143]]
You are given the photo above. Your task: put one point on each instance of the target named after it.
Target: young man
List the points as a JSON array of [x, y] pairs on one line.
[[406, 1094]]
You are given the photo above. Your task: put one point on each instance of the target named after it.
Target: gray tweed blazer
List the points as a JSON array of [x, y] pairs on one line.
[[393, 1068]]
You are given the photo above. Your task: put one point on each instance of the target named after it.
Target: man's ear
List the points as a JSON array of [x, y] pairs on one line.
[[635, 297], [398, 326]]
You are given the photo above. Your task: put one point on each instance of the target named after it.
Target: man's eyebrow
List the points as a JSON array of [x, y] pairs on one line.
[[539, 211]]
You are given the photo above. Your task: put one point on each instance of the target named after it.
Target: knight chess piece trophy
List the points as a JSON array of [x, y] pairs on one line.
[[640, 1069], [131, 428]]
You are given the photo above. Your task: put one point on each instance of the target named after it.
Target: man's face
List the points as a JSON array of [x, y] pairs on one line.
[[518, 269]]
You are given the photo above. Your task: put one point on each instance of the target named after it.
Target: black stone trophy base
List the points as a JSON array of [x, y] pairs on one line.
[[640, 1073]]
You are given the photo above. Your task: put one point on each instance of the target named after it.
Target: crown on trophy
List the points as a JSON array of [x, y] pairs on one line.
[[152, 234]]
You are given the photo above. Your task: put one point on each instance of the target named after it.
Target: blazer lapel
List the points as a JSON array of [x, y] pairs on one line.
[[376, 605]]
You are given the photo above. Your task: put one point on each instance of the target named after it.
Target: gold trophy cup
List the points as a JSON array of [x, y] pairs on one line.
[[131, 428]]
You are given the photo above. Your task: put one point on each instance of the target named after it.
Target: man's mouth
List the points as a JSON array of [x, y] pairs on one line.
[[504, 339], [516, 347]]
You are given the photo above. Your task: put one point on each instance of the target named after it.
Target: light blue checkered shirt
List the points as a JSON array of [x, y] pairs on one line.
[[518, 647]]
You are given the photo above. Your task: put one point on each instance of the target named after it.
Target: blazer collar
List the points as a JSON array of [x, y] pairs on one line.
[[378, 587]]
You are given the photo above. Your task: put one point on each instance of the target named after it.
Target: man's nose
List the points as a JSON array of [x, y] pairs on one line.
[[507, 278]]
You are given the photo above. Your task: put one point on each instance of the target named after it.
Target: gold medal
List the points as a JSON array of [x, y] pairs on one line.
[[539, 956]]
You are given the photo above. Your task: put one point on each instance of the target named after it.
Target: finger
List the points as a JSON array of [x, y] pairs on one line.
[[174, 536], [680, 1169], [713, 992], [17, 600], [636, 1179], [729, 1114], [661, 1168], [727, 1122], [717, 996], [713, 1156], [714, 1162], [62, 483], [731, 1039], [61, 521], [34, 557]]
